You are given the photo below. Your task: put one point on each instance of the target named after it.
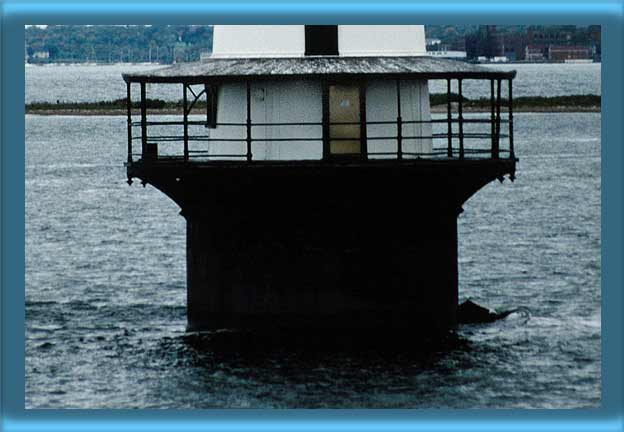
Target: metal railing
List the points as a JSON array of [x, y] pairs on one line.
[[455, 136]]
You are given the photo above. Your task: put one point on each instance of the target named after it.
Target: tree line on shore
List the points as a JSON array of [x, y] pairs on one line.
[[112, 44], [523, 102], [179, 43]]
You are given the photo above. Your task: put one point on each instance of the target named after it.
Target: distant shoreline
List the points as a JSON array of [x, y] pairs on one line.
[[437, 109], [148, 64], [570, 103]]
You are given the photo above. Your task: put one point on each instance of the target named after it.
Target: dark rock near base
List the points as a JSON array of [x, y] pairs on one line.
[[471, 313]]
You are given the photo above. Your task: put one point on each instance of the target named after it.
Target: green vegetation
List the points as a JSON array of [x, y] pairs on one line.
[[180, 43], [118, 106], [111, 44], [555, 101], [441, 99], [583, 101]]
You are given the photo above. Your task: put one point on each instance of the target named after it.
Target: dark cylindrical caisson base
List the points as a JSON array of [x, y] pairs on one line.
[[333, 270], [354, 247]]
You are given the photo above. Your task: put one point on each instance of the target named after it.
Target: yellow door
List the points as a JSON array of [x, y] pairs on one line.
[[344, 107]]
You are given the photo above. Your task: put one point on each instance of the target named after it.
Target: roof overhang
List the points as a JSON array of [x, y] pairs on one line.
[[323, 67]]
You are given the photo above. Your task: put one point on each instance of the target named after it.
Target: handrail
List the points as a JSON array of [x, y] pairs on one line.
[[367, 123], [207, 138], [456, 138]]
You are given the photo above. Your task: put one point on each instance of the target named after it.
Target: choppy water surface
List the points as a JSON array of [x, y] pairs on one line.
[[83, 83], [105, 290]]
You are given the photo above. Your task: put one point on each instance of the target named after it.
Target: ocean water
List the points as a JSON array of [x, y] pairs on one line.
[[105, 290], [83, 83]]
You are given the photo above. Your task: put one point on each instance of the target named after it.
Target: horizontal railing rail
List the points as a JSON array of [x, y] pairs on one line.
[[368, 123]]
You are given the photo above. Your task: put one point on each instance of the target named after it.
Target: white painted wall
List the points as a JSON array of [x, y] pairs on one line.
[[258, 41], [381, 40], [289, 40], [300, 101], [381, 105], [271, 102]]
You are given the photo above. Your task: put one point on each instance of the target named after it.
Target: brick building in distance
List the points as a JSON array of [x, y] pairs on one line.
[[534, 43]]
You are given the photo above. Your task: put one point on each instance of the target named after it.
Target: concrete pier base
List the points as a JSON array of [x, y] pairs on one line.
[[320, 246]]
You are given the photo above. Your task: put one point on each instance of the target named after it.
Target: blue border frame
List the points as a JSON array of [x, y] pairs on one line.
[[15, 14]]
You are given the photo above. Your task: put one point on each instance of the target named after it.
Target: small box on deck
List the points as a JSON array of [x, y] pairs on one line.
[[151, 151]]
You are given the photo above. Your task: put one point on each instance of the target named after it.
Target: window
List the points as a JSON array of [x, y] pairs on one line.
[[321, 40]]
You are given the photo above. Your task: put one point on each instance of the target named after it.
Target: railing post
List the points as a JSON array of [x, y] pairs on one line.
[[495, 149], [449, 118], [399, 122], [143, 121], [185, 122], [129, 113], [511, 143], [460, 116], [363, 131], [249, 156], [325, 119], [492, 117]]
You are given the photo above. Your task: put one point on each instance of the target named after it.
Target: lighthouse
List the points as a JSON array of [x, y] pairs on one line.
[[319, 191]]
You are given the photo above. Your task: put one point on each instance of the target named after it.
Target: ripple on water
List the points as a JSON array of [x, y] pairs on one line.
[[106, 277]]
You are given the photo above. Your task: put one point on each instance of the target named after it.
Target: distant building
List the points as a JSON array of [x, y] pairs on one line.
[[457, 44], [499, 59], [432, 42], [448, 54], [512, 56], [595, 41], [531, 43], [41, 55], [562, 53], [514, 44], [535, 53], [551, 35], [436, 48], [485, 43]]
